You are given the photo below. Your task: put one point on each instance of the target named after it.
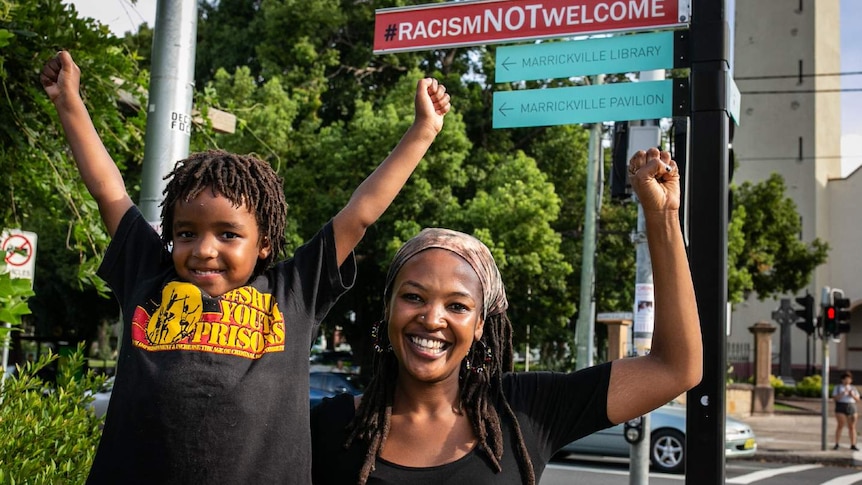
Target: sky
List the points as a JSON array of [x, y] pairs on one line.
[[123, 16]]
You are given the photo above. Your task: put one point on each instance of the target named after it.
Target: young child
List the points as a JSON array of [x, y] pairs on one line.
[[212, 376]]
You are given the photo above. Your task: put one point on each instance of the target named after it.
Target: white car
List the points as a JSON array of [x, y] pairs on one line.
[[101, 398], [667, 440]]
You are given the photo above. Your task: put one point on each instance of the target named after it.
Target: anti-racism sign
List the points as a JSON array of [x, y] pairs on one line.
[[479, 22]]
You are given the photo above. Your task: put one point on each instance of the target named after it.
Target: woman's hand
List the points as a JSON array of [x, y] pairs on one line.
[[655, 179]]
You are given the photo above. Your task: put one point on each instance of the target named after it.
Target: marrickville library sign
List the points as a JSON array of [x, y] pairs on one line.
[[475, 22]]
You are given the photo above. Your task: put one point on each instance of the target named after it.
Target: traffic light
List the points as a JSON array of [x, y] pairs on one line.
[[830, 324], [806, 314], [842, 314], [620, 188]]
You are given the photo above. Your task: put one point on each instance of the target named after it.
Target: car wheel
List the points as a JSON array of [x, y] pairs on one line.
[[667, 450]]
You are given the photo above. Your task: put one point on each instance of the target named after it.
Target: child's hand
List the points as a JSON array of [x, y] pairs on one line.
[[655, 180], [60, 76], [432, 104]]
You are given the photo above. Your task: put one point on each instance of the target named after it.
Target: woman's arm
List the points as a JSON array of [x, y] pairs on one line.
[[675, 362]]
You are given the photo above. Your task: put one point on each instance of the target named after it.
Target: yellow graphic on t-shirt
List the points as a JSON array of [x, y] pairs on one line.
[[243, 322]]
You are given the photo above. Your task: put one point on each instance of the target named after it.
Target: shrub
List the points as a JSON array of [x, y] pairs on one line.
[[49, 432], [810, 386]]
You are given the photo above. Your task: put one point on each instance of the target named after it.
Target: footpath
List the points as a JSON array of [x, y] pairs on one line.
[[795, 435]]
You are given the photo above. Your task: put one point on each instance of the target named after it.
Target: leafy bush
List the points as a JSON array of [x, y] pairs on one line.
[[810, 386], [49, 432]]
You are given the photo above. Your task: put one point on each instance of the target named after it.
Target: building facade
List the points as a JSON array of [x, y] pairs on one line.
[[786, 60]]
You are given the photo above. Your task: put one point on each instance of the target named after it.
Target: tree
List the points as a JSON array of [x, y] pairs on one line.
[[313, 100], [40, 188], [766, 255]]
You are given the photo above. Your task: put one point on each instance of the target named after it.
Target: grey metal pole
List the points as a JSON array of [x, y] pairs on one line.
[[824, 395], [169, 116], [825, 300], [6, 337], [584, 330], [640, 451], [642, 138]]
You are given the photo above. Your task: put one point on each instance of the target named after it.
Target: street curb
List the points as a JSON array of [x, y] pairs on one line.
[[831, 458]]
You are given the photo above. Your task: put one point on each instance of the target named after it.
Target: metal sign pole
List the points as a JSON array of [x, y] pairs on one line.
[[708, 213]]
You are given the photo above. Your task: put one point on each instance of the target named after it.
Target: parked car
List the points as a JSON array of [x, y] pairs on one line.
[[333, 383], [329, 360], [101, 398], [316, 395], [667, 440]]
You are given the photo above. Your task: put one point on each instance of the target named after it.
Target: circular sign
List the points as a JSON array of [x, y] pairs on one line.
[[18, 250]]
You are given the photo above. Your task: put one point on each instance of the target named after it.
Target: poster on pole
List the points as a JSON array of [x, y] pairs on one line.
[[644, 321], [19, 252]]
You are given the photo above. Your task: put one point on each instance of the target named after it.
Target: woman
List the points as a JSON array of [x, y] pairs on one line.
[[443, 405], [845, 395]]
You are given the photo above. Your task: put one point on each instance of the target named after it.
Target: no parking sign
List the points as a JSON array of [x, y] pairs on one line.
[[19, 251]]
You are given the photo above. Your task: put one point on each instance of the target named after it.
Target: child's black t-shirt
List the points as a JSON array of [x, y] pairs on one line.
[[212, 390]]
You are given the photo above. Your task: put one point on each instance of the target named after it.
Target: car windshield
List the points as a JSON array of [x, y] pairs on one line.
[[357, 381]]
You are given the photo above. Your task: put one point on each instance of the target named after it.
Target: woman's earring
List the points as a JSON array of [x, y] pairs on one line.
[[377, 338], [479, 359]]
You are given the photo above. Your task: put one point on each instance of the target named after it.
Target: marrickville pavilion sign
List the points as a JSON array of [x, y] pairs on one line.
[[475, 22]]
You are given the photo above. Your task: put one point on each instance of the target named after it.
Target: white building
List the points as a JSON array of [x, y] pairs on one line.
[[785, 59]]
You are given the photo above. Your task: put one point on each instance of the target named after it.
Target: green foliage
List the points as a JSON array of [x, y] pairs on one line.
[[312, 99], [14, 294], [809, 386], [49, 432], [40, 189], [765, 254], [775, 381]]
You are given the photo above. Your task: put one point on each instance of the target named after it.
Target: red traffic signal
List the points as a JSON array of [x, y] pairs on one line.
[[830, 325]]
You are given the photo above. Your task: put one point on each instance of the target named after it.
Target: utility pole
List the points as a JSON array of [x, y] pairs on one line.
[[825, 301], [642, 138], [586, 315], [169, 114]]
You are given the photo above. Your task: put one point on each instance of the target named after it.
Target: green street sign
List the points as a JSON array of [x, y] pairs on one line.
[[548, 60], [584, 104]]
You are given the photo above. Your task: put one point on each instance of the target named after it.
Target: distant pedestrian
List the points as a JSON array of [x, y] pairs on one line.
[[845, 396]]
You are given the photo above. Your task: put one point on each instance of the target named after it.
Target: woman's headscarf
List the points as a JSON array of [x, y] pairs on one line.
[[472, 250]]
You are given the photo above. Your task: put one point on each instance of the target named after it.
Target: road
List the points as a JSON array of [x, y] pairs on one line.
[[615, 472]]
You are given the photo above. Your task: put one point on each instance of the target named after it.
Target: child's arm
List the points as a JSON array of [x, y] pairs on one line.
[[61, 79], [376, 192]]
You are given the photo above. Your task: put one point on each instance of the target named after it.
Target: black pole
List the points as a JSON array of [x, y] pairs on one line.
[[708, 188]]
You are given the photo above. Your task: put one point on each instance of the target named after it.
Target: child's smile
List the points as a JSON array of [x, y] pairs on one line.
[[216, 245]]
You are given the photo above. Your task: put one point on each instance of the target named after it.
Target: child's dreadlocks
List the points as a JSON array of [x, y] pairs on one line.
[[242, 179], [478, 392]]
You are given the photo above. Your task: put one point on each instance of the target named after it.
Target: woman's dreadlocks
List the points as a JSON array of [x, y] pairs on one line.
[[242, 179], [478, 393]]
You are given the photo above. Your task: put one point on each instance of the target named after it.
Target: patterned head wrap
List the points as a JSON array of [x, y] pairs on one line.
[[470, 249]]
